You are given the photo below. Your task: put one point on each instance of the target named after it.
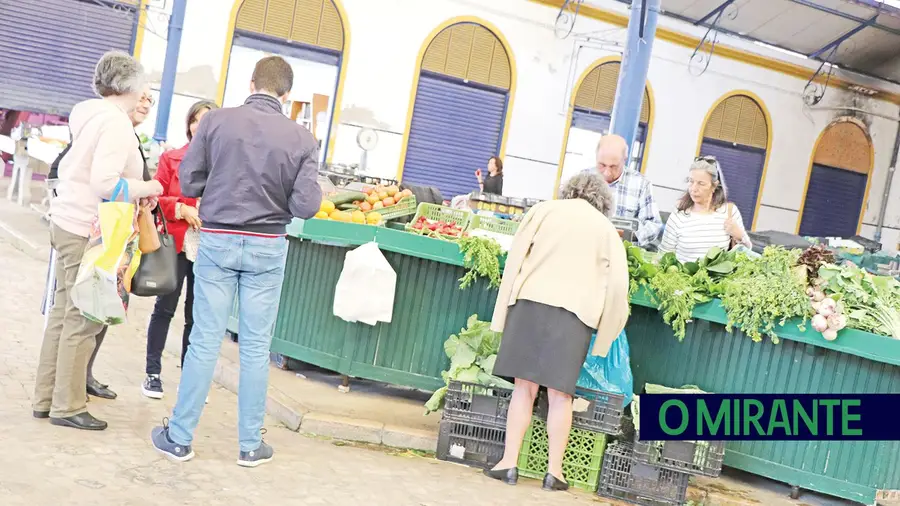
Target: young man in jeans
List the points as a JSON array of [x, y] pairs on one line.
[[255, 169]]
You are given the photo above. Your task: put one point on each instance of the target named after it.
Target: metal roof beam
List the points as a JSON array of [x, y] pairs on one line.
[[714, 12], [850, 17], [837, 42]]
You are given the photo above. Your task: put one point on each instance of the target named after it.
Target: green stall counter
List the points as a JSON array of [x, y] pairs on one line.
[[429, 306]]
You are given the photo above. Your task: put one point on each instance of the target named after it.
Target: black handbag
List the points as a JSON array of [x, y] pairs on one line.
[[157, 274]]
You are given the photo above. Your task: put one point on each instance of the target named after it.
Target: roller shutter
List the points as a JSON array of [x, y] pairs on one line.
[[742, 168], [456, 128], [49, 48], [834, 200]]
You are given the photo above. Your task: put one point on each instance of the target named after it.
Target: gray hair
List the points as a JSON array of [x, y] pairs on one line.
[[710, 165], [589, 186], [118, 73]]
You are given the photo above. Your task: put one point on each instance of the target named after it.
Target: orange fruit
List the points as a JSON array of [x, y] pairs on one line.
[[372, 198], [365, 207], [382, 195], [358, 217], [326, 207], [388, 202], [322, 215], [392, 190], [378, 205], [373, 218]]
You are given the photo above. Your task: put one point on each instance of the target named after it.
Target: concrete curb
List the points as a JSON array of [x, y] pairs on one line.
[[296, 418], [17, 240]]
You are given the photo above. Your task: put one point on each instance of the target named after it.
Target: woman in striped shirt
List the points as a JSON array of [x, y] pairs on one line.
[[704, 218]]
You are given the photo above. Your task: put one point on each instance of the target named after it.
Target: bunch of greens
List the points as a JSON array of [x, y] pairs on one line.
[[472, 355], [482, 258], [640, 271], [766, 292], [872, 303]]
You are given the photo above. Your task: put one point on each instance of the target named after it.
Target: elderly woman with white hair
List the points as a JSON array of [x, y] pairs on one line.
[[704, 218], [566, 277], [104, 150]]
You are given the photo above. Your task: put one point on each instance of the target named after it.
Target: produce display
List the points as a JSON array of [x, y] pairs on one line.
[[363, 208], [482, 257], [436, 228], [760, 293], [328, 211], [472, 354]]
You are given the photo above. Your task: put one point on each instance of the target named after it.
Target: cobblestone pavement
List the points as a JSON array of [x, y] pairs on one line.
[[48, 465]]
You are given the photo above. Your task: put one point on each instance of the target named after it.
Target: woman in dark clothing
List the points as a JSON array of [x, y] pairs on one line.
[[181, 214], [493, 183]]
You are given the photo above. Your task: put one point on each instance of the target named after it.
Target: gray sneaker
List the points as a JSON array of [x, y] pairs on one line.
[[159, 436], [256, 457]]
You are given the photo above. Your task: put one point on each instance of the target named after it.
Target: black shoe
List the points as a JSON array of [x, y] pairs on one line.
[[152, 387], [553, 483], [40, 414], [98, 390], [83, 421], [509, 476]]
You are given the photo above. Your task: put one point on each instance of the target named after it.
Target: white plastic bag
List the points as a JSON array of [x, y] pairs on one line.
[[364, 268]]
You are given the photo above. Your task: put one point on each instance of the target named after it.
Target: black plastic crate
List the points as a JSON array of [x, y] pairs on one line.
[[470, 443], [693, 457], [469, 402], [603, 414], [624, 478]]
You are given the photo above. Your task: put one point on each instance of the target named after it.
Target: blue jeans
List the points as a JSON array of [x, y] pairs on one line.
[[252, 267]]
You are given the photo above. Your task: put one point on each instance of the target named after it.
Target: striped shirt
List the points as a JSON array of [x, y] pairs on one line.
[[692, 235]]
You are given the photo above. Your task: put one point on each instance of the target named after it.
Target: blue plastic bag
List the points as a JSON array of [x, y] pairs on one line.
[[611, 373]]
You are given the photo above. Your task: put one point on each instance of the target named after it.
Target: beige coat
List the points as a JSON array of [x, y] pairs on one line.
[[104, 150], [567, 254]]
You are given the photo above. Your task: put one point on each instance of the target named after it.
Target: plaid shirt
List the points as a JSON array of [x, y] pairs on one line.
[[633, 195]]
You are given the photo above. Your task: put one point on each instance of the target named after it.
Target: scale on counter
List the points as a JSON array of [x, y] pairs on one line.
[[627, 227]]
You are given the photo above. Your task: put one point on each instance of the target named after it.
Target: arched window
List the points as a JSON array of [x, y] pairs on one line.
[[463, 92], [591, 110], [311, 35], [837, 181], [737, 132]]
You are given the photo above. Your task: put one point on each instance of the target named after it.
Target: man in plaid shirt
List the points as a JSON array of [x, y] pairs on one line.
[[633, 192]]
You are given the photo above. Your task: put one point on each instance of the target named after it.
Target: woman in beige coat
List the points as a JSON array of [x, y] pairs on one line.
[[566, 277], [104, 151]]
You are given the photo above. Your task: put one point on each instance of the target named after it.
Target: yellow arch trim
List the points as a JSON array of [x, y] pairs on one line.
[[689, 41], [342, 70], [812, 157], [141, 28], [418, 71], [770, 134], [590, 68]]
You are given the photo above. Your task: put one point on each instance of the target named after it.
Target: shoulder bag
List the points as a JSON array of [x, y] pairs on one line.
[[157, 274]]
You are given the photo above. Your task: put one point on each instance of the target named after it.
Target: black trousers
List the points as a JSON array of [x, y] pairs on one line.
[[163, 312]]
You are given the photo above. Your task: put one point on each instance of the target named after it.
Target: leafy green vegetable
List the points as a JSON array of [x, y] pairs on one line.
[[872, 302], [472, 355], [676, 296], [482, 258], [764, 293]]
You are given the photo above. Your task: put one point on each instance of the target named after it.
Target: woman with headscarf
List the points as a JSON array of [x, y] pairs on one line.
[[104, 151], [704, 218], [182, 214], [560, 285]]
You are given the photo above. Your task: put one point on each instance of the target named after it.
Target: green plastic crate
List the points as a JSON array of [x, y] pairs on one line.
[[442, 213], [492, 224], [405, 207], [581, 464]]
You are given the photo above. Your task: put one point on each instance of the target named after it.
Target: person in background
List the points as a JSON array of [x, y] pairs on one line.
[[137, 116], [494, 181], [633, 192], [560, 285], [103, 152], [255, 169], [704, 218], [181, 213]]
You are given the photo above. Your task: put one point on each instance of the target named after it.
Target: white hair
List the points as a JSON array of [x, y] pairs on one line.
[[118, 73]]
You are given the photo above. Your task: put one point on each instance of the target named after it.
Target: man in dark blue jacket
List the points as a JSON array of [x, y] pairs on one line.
[[255, 169]]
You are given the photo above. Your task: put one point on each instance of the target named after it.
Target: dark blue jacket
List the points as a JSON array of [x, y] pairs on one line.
[[254, 168]]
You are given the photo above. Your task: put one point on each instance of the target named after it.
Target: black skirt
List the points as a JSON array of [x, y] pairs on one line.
[[543, 344]]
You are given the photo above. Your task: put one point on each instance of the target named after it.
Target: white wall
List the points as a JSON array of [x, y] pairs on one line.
[[386, 37]]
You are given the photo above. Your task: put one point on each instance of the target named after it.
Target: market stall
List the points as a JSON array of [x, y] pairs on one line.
[[692, 347]]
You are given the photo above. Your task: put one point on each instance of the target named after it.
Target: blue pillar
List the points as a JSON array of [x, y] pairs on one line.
[[170, 70], [626, 113]]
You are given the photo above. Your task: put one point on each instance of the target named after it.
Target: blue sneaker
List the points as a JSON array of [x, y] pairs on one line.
[[256, 457], [159, 436]]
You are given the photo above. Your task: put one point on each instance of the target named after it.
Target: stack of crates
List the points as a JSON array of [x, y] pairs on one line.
[[597, 415], [473, 425], [655, 473]]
